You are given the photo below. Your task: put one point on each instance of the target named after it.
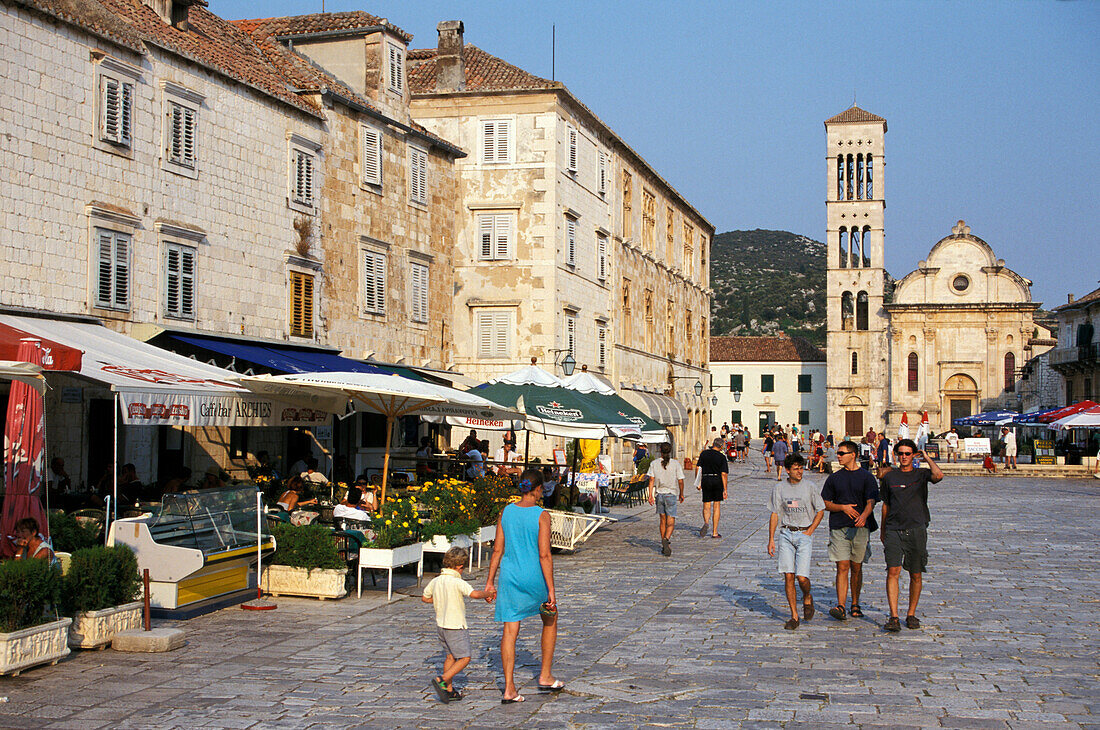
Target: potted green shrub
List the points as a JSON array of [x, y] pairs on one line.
[[70, 534], [392, 541], [492, 493], [99, 592], [305, 563], [28, 635]]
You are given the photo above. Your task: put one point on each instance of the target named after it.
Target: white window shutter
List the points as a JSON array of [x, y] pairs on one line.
[[602, 354], [126, 115], [488, 142], [372, 156], [396, 72], [419, 280], [572, 150], [122, 271], [303, 177], [571, 335], [374, 282], [502, 335], [484, 334], [602, 172], [187, 282], [504, 141], [189, 137], [486, 236], [570, 241], [601, 256], [104, 265], [503, 236], [172, 281], [111, 106]]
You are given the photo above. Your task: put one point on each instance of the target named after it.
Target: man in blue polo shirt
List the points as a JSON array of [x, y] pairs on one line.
[[850, 495]]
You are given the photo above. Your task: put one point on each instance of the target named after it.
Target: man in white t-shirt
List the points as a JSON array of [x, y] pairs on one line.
[[505, 457], [1009, 438], [666, 490], [952, 439]]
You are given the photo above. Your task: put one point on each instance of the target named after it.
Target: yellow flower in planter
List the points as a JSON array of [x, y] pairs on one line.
[[388, 522], [404, 524]]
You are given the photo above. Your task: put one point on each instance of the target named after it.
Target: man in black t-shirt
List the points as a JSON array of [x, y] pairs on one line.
[[850, 495], [713, 481], [905, 521]]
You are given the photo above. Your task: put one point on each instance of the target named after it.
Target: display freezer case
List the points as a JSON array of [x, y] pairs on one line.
[[197, 546]]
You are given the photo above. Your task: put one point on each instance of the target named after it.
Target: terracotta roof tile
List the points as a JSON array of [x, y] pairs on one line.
[[320, 23], [209, 41], [764, 349], [853, 115], [484, 72], [1092, 296], [304, 76]]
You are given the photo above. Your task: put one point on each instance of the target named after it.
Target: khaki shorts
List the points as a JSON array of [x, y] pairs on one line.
[[850, 543]]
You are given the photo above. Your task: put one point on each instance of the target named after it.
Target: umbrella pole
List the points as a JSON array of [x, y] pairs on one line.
[[386, 459], [526, 449], [573, 467], [114, 477]]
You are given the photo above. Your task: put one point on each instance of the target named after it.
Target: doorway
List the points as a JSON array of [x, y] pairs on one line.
[[853, 424], [767, 420], [169, 453], [101, 427], [960, 408]]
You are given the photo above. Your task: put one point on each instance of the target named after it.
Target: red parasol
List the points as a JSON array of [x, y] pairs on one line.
[[24, 455], [1066, 411], [905, 417], [53, 355]]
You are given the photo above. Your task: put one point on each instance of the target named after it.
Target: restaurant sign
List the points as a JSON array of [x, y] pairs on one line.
[[200, 409]]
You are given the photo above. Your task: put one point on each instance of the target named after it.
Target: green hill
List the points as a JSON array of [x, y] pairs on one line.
[[766, 282]]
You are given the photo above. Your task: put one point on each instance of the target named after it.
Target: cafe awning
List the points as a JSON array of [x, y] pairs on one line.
[[286, 358], [661, 408], [161, 388]]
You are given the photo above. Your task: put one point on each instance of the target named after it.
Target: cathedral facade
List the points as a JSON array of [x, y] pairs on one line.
[[956, 332]]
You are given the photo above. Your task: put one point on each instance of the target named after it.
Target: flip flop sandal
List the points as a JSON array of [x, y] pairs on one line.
[[837, 612], [557, 686], [517, 698], [856, 611], [441, 690]]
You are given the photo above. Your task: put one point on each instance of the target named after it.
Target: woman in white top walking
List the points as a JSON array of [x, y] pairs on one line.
[[666, 479]]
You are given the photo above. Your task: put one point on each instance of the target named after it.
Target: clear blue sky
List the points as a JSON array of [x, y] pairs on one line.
[[992, 108]]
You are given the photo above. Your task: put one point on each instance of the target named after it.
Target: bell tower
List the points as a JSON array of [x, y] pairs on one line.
[[858, 352]]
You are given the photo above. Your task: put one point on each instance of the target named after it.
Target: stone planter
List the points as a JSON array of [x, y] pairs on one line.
[[283, 580], [387, 559], [95, 629], [42, 644]]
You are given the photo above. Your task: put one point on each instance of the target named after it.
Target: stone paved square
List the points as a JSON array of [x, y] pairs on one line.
[[1010, 638]]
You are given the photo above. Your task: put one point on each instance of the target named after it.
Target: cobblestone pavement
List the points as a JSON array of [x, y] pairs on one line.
[[1010, 638]]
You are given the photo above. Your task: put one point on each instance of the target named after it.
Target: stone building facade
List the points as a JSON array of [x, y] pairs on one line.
[[567, 241], [959, 329], [1077, 356], [761, 381]]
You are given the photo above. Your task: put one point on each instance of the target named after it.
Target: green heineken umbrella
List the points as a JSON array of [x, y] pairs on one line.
[[634, 424]]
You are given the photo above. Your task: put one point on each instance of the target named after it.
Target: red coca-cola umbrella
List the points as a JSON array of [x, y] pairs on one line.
[[24, 455], [1067, 411]]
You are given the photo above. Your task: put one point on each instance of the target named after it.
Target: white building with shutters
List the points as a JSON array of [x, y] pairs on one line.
[[556, 218]]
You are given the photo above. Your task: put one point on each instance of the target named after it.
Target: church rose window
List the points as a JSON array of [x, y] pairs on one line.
[[960, 283]]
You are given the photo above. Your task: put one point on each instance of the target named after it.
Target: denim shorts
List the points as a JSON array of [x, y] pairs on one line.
[[666, 504], [793, 550]]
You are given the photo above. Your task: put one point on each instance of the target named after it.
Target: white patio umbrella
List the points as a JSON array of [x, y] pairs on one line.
[[389, 395], [1089, 418], [24, 372]]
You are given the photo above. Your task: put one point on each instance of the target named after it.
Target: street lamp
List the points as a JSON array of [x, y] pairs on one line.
[[568, 363], [698, 387], [714, 400], [736, 396]]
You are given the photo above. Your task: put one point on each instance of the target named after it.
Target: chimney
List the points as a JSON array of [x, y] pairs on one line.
[[1070, 299], [173, 12], [450, 73]]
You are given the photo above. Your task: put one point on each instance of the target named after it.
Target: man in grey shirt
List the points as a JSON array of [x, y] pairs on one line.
[[797, 509]]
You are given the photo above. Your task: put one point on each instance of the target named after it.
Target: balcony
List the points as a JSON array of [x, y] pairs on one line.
[[1075, 359]]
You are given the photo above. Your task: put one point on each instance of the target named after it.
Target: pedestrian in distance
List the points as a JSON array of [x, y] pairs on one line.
[[447, 592], [1008, 436], [850, 495], [769, 442], [522, 561], [666, 491], [905, 520], [714, 483], [797, 509], [952, 438], [780, 448]]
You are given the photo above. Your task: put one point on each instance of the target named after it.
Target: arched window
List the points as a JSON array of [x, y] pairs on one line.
[[855, 248], [866, 248], [869, 192], [912, 372], [840, 177], [859, 177], [861, 311], [843, 248], [1010, 372], [855, 363], [850, 175], [847, 311]]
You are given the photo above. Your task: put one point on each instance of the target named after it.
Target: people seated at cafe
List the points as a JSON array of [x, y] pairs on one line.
[[59, 479], [180, 482], [426, 467], [470, 443], [29, 541], [129, 487], [264, 467], [476, 459], [291, 499], [550, 487], [353, 506], [214, 478], [506, 457], [311, 476], [341, 471]]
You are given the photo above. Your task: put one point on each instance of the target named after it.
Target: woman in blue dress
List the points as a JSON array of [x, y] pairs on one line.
[[521, 558]]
